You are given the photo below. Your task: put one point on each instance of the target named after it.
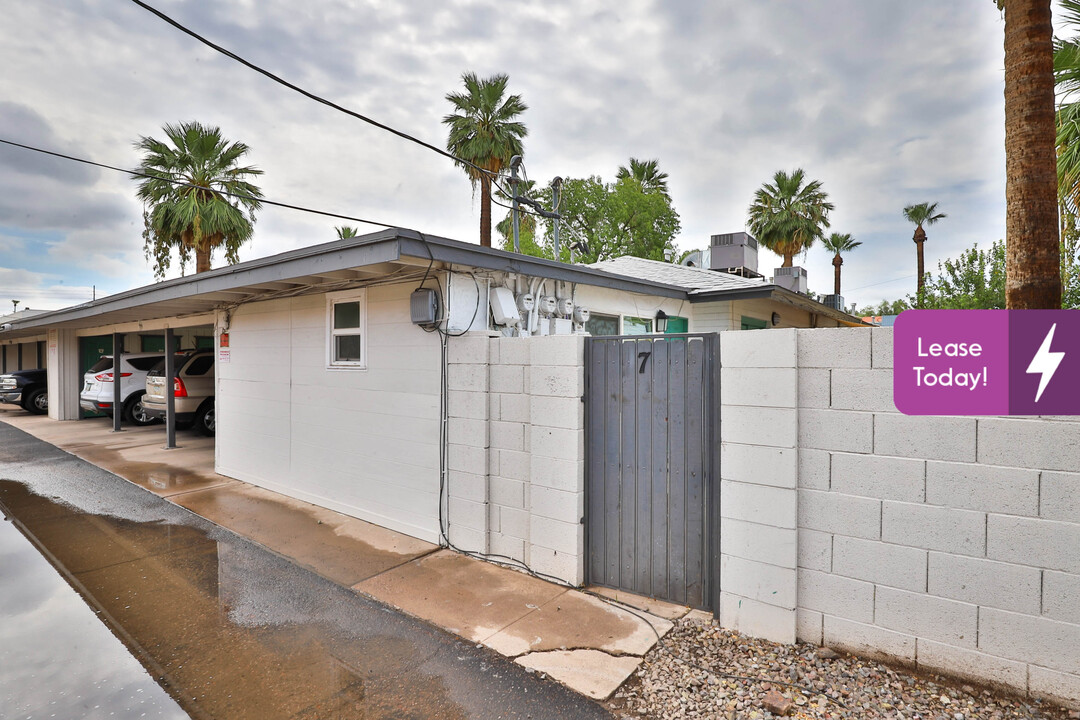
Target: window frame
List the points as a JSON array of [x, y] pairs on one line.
[[346, 296], [633, 321], [606, 316]]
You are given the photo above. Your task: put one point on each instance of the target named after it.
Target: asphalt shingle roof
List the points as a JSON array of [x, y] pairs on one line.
[[693, 279]]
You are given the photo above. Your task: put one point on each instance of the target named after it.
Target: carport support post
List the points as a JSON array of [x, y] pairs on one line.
[[117, 376], [170, 390]]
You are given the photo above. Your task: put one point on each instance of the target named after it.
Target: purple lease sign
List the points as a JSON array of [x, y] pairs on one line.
[[987, 362]]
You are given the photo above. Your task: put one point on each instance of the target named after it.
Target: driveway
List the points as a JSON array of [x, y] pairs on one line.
[[230, 629]]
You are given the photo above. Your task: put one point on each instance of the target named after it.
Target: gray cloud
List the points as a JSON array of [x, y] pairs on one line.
[[886, 103]]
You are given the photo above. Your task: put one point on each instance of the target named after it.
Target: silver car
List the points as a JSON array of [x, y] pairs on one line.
[[193, 390]]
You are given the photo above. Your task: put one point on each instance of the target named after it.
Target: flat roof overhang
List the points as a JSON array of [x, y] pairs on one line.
[[315, 269]]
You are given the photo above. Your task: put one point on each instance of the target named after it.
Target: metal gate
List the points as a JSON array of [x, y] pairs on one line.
[[652, 465]]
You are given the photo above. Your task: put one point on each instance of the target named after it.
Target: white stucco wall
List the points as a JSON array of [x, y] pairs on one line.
[[363, 442], [615, 302]]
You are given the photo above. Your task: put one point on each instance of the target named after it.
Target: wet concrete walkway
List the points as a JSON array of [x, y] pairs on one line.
[[226, 627], [589, 645]]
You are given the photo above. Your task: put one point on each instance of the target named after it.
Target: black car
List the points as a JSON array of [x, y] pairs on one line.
[[28, 388]]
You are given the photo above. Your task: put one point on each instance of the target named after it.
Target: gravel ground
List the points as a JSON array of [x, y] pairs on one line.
[[669, 686]]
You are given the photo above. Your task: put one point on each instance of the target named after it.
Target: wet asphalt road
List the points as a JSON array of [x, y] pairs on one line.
[[225, 627]]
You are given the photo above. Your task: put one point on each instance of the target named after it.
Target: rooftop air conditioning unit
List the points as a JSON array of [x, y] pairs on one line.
[[791, 278], [836, 302], [733, 251]]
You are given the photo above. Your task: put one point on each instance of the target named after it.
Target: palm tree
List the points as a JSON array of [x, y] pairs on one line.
[[839, 243], [346, 231], [484, 132], [922, 214], [1033, 253], [213, 207], [1067, 81], [788, 216], [646, 172]]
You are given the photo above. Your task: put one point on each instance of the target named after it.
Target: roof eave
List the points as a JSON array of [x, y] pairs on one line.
[[783, 295]]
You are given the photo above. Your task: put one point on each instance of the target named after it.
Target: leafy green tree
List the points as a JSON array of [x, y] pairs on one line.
[[976, 279], [346, 231], [922, 214], [973, 281], [583, 205], [612, 219], [837, 244], [787, 216], [214, 207], [885, 307], [484, 131], [646, 172], [644, 222]]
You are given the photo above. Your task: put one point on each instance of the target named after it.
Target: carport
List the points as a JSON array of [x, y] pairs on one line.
[[190, 312], [120, 345]]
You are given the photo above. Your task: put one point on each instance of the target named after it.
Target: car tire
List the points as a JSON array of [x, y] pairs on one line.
[[134, 412], [205, 421], [37, 402]]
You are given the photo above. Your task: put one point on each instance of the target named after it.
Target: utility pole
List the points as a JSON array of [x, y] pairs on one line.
[[515, 163]]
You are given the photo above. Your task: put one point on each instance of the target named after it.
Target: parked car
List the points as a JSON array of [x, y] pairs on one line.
[[97, 392], [28, 388], [193, 390]]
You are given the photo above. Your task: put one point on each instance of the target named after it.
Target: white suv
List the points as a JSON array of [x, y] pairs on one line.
[[97, 392]]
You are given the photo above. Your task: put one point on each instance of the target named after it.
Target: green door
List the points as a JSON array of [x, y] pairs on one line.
[[90, 351], [676, 324]]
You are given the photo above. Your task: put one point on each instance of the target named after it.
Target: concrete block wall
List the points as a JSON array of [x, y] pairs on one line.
[[516, 427], [947, 543], [759, 465]]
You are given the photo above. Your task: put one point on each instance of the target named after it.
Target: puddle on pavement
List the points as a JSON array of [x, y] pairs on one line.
[[42, 619], [226, 630]]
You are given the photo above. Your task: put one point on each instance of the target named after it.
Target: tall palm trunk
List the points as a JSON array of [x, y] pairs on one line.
[[485, 210], [837, 261], [203, 252], [920, 240], [1032, 264], [788, 257]]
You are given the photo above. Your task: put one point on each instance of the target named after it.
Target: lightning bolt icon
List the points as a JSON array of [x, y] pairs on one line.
[[1045, 362]]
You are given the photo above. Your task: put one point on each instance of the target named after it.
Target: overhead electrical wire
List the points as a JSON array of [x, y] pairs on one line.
[[181, 183], [310, 95]]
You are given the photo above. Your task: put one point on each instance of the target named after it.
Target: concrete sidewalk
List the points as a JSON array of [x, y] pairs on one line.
[[589, 645]]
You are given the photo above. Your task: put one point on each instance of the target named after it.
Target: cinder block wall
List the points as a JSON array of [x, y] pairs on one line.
[[516, 455], [758, 489], [950, 543]]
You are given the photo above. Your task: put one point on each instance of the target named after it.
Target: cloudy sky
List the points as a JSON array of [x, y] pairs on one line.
[[887, 103]]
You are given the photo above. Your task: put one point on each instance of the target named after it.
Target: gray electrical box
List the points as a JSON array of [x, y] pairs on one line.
[[424, 307]]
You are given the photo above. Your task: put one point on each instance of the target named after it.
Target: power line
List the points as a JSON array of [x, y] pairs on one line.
[[307, 94], [180, 183], [883, 282]]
